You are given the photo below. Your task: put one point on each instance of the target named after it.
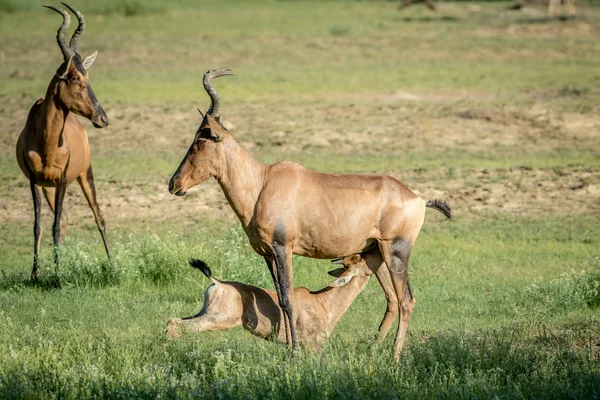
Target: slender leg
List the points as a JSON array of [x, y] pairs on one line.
[[273, 270], [283, 260], [405, 4], [552, 7], [431, 4], [201, 323], [49, 194], [396, 254], [570, 8], [385, 280], [89, 190], [59, 197], [37, 230]]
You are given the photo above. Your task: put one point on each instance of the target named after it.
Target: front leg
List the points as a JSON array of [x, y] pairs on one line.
[[59, 197], [283, 260], [273, 270]]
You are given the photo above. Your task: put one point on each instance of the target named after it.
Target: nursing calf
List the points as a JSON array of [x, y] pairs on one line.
[[229, 304]]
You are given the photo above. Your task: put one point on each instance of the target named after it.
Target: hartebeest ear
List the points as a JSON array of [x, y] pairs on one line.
[[217, 130], [345, 275], [341, 281], [63, 71], [89, 60]]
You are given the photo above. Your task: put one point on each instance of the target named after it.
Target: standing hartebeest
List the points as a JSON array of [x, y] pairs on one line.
[[288, 209], [53, 148]]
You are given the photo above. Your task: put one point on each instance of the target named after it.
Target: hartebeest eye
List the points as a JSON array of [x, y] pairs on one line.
[[199, 145], [205, 132]]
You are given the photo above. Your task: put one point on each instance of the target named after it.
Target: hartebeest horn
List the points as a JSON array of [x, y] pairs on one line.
[[60, 34], [79, 30], [213, 110]]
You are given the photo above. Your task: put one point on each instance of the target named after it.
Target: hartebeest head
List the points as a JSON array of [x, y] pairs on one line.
[[72, 84], [201, 161], [353, 265]]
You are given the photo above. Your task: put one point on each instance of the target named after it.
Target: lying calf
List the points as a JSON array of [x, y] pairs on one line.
[[229, 304]]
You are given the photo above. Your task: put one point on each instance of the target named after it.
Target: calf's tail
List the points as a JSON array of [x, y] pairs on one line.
[[201, 265]]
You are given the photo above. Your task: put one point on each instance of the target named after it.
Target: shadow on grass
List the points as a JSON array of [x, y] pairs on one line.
[[21, 280], [546, 19], [441, 18]]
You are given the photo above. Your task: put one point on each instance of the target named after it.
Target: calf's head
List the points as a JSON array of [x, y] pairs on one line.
[[353, 266], [204, 157]]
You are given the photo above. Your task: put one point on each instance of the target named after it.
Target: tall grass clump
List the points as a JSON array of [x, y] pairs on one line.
[[232, 259], [79, 267], [159, 262], [571, 291]]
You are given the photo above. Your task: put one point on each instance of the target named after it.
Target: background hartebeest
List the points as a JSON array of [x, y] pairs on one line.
[[229, 304], [288, 209], [53, 148], [554, 7]]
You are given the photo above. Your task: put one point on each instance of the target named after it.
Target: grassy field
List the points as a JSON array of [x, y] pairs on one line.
[[495, 111]]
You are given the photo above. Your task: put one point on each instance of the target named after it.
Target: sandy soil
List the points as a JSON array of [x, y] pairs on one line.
[[395, 123]]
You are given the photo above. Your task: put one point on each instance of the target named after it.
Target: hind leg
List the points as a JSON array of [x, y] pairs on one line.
[[86, 181], [49, 194], [396, 254], [176, 326], [385, 280], [37, 230], [570, 8]]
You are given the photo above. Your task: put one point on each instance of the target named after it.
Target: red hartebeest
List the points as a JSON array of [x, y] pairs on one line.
[[288, 209], [53, 148]]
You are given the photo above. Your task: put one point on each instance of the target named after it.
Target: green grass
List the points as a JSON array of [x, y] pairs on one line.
[[503, 305]]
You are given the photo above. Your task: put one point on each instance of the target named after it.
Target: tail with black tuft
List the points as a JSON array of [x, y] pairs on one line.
[[201, 265], [441, 206]]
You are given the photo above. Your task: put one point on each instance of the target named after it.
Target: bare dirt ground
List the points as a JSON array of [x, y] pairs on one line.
[[395, 125]]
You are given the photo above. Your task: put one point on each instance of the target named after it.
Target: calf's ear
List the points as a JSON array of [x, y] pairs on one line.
[[342, 281]]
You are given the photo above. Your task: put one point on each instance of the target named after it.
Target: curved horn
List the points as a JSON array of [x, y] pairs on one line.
[[80, 27], [60, 34], [213, 110]]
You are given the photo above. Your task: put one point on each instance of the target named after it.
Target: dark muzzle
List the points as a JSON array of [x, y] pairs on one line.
[[100, 119]]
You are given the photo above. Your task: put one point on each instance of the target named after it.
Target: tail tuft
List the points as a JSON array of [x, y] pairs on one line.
[[201, 265], [441, 206]]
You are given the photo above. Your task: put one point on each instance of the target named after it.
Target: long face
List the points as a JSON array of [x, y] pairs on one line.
[[75, 91], [354, 265], [202, 159]]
